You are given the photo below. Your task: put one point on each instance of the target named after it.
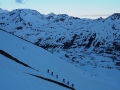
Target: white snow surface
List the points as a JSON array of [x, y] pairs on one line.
[[13, 75], [52, 32]]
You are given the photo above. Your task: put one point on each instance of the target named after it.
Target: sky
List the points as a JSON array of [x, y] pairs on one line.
[[77, 8]]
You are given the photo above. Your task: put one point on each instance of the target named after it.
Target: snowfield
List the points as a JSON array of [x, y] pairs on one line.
[[14, 76], [85, 52]]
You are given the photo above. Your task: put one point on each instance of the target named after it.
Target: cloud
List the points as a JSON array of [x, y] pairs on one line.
[[94, 16], [20, 1], [99, 15]]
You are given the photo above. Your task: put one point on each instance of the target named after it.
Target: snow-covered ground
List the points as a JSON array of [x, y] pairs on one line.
[[93, 42], [13, 76], [89, 45]]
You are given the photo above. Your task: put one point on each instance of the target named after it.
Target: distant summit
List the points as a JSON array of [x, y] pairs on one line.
[[115, 16], [3, 11], [51, 14]]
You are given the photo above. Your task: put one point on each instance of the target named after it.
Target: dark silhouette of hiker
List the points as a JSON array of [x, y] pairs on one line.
[[63, 80], [56, 76], [52, 73], [48, 70], [72, 85], [67, 82]]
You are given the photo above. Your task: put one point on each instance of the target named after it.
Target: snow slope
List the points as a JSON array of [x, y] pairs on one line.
[[90, 45], [13, 76], [63, 33]]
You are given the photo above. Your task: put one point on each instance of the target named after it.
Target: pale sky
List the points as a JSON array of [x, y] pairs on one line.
[[77, 8]]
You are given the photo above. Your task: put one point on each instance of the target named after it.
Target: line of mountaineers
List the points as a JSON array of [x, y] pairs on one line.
[[48, 71]]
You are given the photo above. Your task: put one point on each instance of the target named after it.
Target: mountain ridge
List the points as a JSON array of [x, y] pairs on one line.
[[78, 41]]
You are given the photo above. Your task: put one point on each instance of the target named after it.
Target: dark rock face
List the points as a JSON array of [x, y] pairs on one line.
[[117, 63]]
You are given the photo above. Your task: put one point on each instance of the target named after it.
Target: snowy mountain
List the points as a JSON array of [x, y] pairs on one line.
[[24, 66], [92, 45], [3, 11]]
